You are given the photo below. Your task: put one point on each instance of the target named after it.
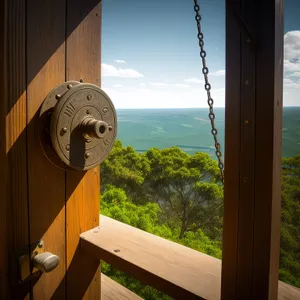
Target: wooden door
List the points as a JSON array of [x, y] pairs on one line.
[[43, 44]]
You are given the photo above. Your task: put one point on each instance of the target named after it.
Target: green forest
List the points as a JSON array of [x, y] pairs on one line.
[[180, 197]]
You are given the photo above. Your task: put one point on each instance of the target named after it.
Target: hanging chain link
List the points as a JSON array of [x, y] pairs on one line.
[[207, 87]]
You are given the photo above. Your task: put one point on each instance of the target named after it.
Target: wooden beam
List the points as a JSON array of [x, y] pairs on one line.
[[178, 271], [83, 61], [172, 268], [111, 290], [254, 78]]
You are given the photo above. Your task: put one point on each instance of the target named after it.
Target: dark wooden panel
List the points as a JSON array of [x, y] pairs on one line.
[[232, 153], [14, 205], [83, 189], [247, 157], [3, 160], [45, 70], [179, 271], [111, 290], [268, 149]]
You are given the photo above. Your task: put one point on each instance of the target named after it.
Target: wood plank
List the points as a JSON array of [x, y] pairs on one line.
[[252, 188], [232, 153], [247, 157], [46, 183], [83, 189], [13, 204], [266, 244], [4, 287], [111, 290], [172, 268], [181, 272], [16, 141]]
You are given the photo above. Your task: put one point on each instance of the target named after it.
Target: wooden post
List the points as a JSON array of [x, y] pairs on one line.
[[254, 72]]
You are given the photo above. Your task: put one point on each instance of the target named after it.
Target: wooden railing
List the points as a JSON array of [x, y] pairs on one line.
[[176, 270]]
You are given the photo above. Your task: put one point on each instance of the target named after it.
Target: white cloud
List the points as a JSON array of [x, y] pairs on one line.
[[158, 84], [218, 73], [142, 84], [117, 85], [181, 85], [194, 80], [111, 71], [290, 84], [120, 61], [292, 45], [292, 66], [295, 74]]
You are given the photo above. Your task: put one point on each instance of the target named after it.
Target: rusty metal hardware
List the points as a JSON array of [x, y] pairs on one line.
[[77, 125], [38, 262], [207, 87]]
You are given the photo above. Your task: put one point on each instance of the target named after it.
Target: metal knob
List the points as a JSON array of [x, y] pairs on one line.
[[46, 262], [92, 128]]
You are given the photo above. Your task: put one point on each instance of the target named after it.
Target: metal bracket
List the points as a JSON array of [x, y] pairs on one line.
[[25, 265]]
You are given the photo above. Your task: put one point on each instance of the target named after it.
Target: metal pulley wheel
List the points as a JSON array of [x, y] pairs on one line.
[[77, 125]]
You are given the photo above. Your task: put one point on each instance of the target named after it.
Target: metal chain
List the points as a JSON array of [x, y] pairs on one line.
[[207, 87]]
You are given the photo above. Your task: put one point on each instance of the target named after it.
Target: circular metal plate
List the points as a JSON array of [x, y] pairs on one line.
[[45, 120], [81, 101]]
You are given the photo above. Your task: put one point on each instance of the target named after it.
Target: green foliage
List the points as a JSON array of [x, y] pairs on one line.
[[290, 222], [180, 197]]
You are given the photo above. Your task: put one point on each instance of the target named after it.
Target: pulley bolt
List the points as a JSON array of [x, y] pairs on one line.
[[58, 96], [81, 80], [110, 128], [64, 129], [87, 112], [69, 86], [87, 155], [68, 147], [89, 96]]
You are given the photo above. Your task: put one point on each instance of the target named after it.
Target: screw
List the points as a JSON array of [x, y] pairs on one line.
[[58, 96], [87, 155], [64, 130], [81, 80], [69, 86], [40, 245], [68, 147], [116, 250], [110, 128], [88, 112], [89, 96]]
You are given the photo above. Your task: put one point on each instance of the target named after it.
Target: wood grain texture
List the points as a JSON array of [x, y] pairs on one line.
[[82, 189], [111, 290], [46, 183], [232, 154], [14, 205], [247, 157], [181, 272], [4, 288], [266, 244]]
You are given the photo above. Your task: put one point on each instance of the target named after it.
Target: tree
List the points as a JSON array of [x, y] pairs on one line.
[[290, 222], [125, 169], [186, 188]]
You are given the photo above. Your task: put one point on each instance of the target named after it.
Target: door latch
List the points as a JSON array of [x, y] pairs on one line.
[[38, 262], [77, 125]]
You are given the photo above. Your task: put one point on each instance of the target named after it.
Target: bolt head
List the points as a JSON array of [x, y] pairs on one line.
[[81, 80], [88, 112], [87, 155], [69, 86], [58, 96], [89, 96], [68, 147], [64, 130]]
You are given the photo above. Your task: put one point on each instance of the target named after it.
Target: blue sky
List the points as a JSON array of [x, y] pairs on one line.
[[150, 55]]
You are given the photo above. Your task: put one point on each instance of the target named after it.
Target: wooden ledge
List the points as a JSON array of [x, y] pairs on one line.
[[176, 270], [111, 290]]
